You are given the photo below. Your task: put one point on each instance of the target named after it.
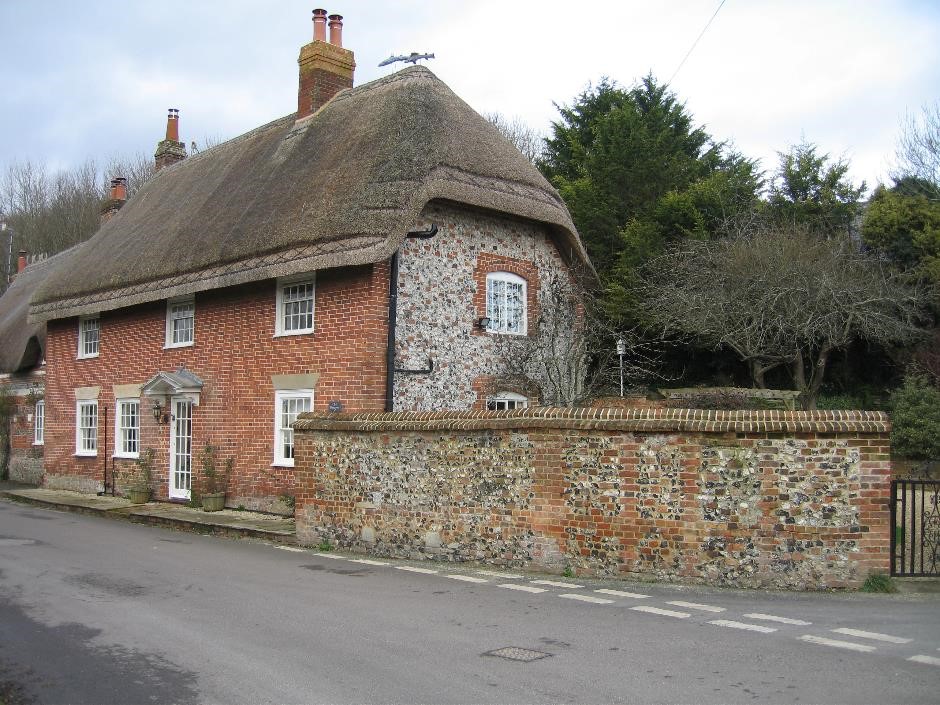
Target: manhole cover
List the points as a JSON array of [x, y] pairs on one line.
[[515, 653]]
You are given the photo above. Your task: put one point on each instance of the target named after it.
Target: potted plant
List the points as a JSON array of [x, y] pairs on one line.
[[215, 481], [139, 490]]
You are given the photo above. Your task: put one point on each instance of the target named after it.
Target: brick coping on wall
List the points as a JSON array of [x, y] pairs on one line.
[[609, 419]]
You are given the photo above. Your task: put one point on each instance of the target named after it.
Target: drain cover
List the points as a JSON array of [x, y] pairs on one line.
[[515, 653]]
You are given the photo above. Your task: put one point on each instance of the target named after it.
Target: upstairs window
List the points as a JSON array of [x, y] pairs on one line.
[[295, 307], [86, 428], [287, 405], [89, 334], [39, 423], [180, 323], [506, 303], [127, 428], [505, 401]]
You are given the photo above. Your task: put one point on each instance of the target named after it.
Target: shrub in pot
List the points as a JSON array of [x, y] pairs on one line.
[[139, 490], [214, 481]]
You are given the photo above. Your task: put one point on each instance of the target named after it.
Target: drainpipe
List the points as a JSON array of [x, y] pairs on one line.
[[393, 316], [104, 409]]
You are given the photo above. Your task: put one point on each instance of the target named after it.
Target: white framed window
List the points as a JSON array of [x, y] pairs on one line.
[[505, 401], [506, 303], [86, 427], [180, 322], [127, 428], [39, 423], [287, 405], [295, 300], [89, 336]]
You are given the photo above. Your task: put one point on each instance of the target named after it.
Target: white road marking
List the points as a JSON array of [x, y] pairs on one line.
[[929, 660], [851, 645], [555, 583], [331, 555], [664, 613], [782, 620], [523, 588], [467, 578], [586, 598], [290, 548], [873, 635], [742, 625], [366, 561], [497, 574], [621, 593], [412, 569], [696, 606]]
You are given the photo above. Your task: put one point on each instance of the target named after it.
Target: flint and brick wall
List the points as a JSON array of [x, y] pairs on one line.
[[442, 293], [752, 499]]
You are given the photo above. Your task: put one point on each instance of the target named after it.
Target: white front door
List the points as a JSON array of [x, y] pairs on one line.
[[181, 448]]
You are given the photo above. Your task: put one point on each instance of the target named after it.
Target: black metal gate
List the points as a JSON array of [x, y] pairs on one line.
[[915, 519]]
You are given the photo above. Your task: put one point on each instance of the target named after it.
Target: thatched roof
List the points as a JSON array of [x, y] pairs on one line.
[[23, 344], [341, 187]]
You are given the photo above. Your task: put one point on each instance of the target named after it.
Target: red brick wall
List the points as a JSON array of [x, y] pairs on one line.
[[24, 459], [235, 353]]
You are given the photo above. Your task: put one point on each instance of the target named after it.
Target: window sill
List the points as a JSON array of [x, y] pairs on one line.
[[126, 456], [172, 346], [87, 357], [39, 445], [288, 334], [86, 455], [282, 464], [523, 334]]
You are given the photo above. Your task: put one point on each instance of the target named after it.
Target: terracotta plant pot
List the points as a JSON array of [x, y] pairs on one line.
[[213, 501], [139, 496]]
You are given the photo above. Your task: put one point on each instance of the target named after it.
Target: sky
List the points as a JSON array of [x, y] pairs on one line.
[[94, 78]]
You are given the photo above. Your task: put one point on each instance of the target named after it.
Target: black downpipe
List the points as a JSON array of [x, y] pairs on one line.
[[393, 316], [390, 350], [105, 454]]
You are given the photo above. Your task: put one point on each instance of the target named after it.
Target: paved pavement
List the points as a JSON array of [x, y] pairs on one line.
[[95, 611], [231, 522]]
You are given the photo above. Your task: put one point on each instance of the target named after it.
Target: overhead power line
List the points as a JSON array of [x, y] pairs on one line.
[[695, 43]]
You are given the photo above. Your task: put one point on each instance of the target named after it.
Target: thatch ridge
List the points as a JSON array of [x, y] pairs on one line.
[[341, 187]]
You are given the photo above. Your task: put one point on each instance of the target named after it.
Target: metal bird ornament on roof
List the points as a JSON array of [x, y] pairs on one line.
[[411, 58]]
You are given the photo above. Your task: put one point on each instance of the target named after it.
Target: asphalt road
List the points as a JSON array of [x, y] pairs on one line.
[[100, 611]]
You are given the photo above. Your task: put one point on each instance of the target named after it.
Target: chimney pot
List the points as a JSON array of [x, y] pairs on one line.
[[21, 261], [336, 30], [319, 25], [173, 125]]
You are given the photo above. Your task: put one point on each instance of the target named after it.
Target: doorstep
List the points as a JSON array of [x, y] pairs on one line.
[[225, 523]]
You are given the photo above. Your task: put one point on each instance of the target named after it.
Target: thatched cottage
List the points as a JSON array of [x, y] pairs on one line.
[[361, 254]]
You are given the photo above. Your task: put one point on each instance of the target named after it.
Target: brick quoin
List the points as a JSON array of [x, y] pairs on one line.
[[235, 353]]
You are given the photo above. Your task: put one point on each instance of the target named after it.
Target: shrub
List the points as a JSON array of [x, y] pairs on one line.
[[916, 419], [879, 582]]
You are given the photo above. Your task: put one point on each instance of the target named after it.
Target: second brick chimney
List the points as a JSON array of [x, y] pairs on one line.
[[115, 199], [170, 150], [325, 67]]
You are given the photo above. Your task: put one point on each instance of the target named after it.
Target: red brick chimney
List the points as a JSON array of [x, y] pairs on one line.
[[170, 150], [21, 261], [115, 200], [325, 67]]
